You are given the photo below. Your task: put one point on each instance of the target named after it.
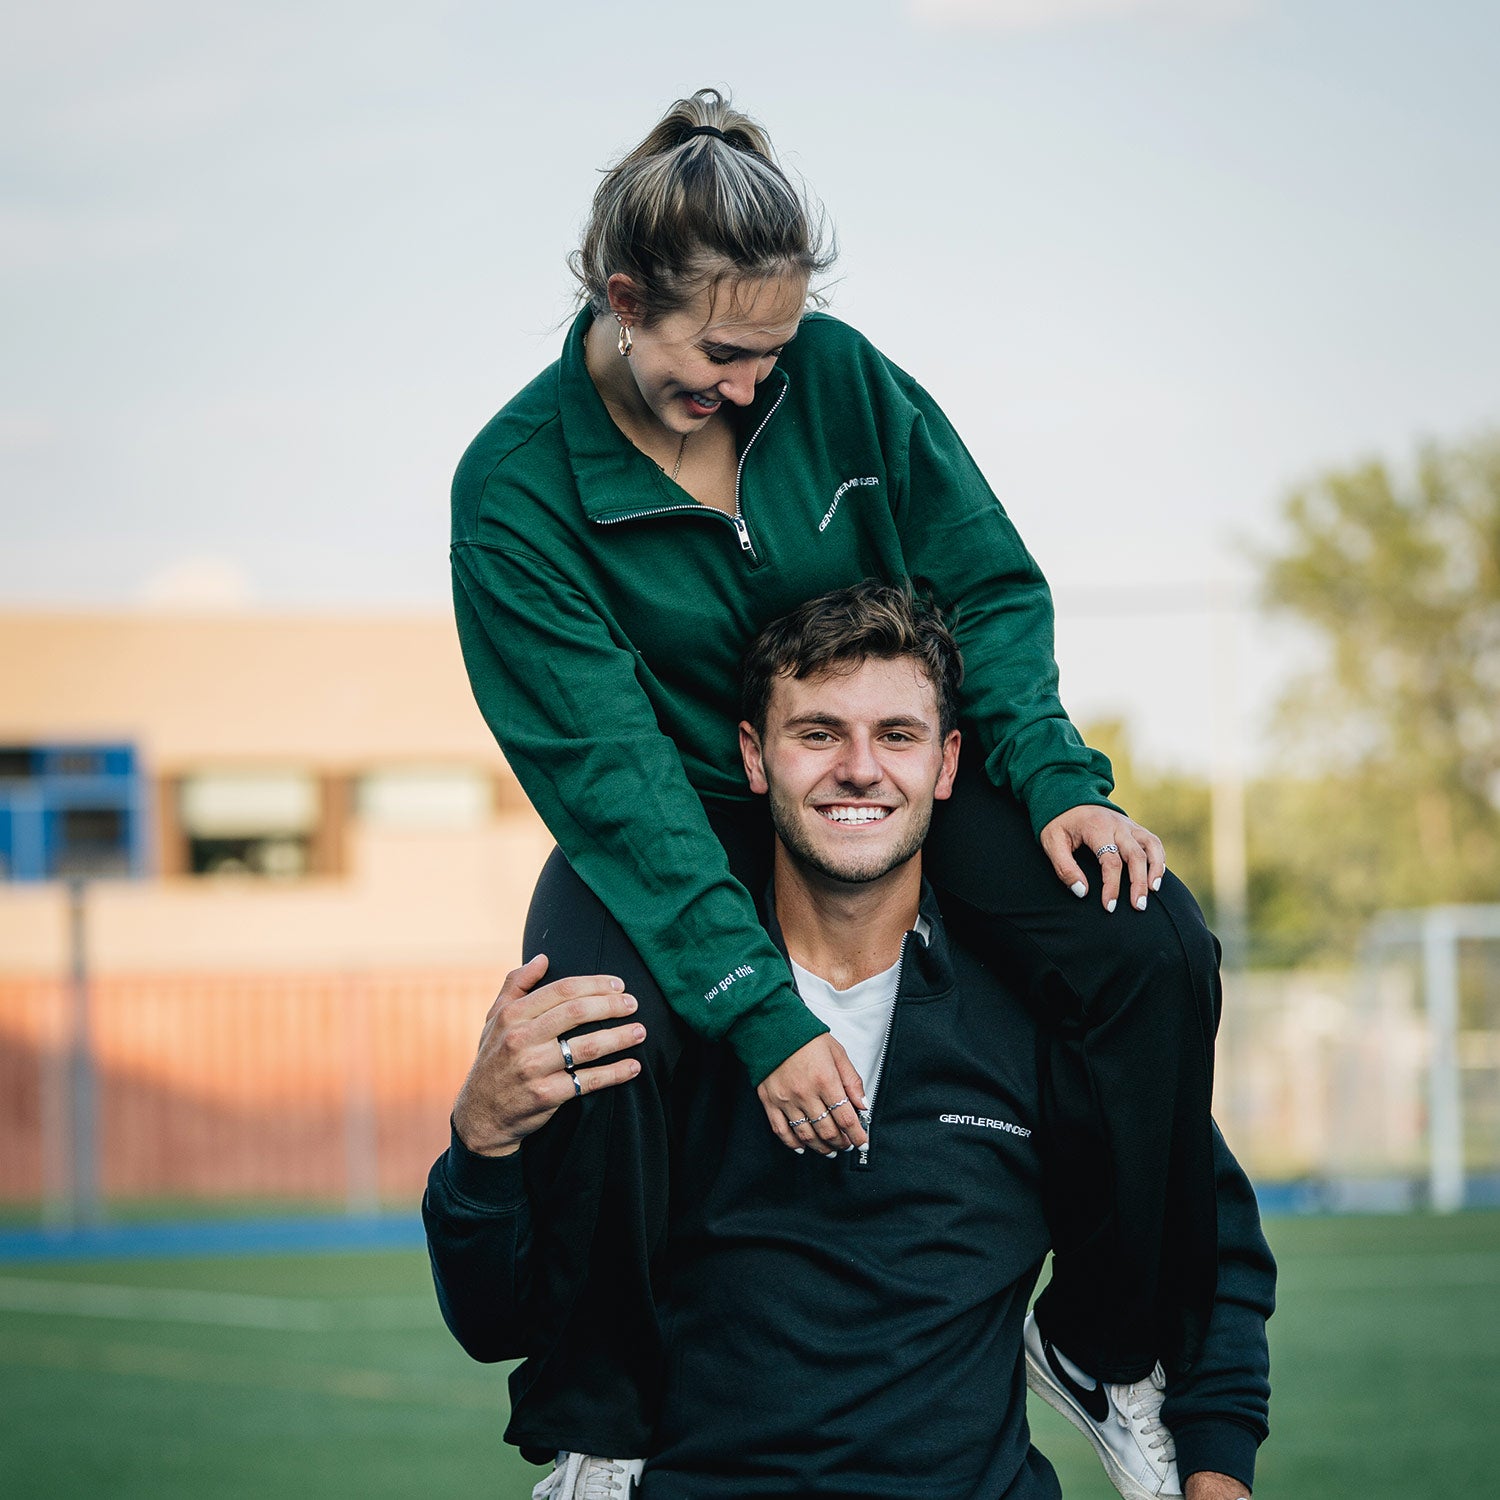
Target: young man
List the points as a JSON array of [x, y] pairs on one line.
[[844, 1322]]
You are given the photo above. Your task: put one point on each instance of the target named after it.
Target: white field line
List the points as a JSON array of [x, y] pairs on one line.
[[215, 1309]]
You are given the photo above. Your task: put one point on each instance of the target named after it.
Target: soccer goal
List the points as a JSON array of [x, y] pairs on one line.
[[1452, 956]]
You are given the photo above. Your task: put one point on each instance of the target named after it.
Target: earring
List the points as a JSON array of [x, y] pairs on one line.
[[624, 343]]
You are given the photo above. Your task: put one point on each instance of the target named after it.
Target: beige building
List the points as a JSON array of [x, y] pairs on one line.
[[317, 792]]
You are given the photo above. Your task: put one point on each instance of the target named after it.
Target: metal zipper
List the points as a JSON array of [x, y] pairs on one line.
[[660, 510], [739, 516], [695, 508], [863, 1160], [737, 520]]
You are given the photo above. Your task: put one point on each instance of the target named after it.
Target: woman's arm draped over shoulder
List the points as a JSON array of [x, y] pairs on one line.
[[960, 544], [561, 694]]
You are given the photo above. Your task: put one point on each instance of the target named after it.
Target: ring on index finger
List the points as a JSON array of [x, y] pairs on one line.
[[1104, 849], [567, 1053]]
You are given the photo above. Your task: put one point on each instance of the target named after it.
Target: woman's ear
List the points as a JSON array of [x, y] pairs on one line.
[[624, 300]]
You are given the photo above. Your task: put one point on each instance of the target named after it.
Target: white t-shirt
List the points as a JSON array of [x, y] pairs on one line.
[[859, 1016]]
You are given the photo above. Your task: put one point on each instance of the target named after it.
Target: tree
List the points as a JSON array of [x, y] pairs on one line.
[[1396, 729]]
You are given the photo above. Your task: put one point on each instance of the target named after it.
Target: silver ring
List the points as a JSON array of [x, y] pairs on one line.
[[838, 1105], [1104, 849], [567, 1052], [793, 1124], [816, 1118], [577, 1087]]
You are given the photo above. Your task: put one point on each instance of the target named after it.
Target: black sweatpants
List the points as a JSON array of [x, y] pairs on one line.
[[1129, 1003]]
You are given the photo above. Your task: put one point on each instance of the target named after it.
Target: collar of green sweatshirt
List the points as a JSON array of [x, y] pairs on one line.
[[613, 484], [603, 615]]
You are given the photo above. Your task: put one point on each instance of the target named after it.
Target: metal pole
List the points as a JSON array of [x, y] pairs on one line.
[[361, 1126], [1444, 1109], [83, 1071], [1227, 799]]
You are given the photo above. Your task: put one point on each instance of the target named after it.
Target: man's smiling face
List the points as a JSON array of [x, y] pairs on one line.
[[852, 761]]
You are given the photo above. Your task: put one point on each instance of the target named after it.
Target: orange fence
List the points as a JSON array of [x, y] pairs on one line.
[[337, 1086], [317, 1086]]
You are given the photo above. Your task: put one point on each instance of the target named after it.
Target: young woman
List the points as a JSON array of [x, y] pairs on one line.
[[705, 455]]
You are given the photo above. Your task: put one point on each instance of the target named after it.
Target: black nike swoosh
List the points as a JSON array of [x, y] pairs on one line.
[[1092, 1399]]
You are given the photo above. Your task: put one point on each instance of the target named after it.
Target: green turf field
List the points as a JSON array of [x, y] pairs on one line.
[[331, 1376]]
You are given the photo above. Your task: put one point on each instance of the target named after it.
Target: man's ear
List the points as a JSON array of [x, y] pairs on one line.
[[624, 299], [944, 788], [755, 770]]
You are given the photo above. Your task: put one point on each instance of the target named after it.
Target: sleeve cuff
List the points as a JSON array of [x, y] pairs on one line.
[[1217, 1447], [1054, 790], [494, 1182], [765, 1037]]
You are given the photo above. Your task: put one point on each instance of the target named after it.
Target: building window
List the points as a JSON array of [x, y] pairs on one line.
[[426, 797], [249, 823]]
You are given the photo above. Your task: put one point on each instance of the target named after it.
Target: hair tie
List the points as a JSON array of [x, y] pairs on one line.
[[707, 130]]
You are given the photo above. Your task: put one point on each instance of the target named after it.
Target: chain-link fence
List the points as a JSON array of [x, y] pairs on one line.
[[335, 1087], [315, 1087]]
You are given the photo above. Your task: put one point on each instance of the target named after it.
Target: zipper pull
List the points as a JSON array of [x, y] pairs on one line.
[[741, 531]]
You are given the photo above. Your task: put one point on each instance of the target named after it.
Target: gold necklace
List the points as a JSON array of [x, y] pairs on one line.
[[677, 467], [618, 415]]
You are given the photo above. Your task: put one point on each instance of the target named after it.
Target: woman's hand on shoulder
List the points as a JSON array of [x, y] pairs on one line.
[[1117, 842], [814, 1099]]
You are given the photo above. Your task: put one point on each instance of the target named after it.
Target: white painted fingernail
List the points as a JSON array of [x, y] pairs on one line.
[[1109, 905], [1156, 884], [1078, 888], [799, 1149], [1141, 904]]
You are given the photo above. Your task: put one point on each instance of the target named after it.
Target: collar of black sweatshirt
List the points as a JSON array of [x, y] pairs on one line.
[[926, 967]]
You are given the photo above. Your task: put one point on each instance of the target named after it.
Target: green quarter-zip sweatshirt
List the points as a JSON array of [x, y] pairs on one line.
[[603, 614]]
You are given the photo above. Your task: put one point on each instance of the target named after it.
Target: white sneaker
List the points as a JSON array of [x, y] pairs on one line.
[[1123, 1422], [581, 1476]]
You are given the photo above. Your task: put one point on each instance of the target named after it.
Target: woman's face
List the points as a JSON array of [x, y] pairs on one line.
[[687, 364]]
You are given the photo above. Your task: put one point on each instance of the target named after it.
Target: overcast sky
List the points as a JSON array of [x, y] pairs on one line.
[[268, 267]]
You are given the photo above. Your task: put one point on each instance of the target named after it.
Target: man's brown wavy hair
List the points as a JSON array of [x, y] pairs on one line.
[[839, 631]]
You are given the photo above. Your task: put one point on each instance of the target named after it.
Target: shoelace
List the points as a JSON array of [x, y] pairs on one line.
[[603, 1479], [1141, 1404]]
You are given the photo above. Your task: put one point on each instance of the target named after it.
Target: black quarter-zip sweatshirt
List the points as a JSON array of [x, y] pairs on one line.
[[604, 613], [852, 1328]]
